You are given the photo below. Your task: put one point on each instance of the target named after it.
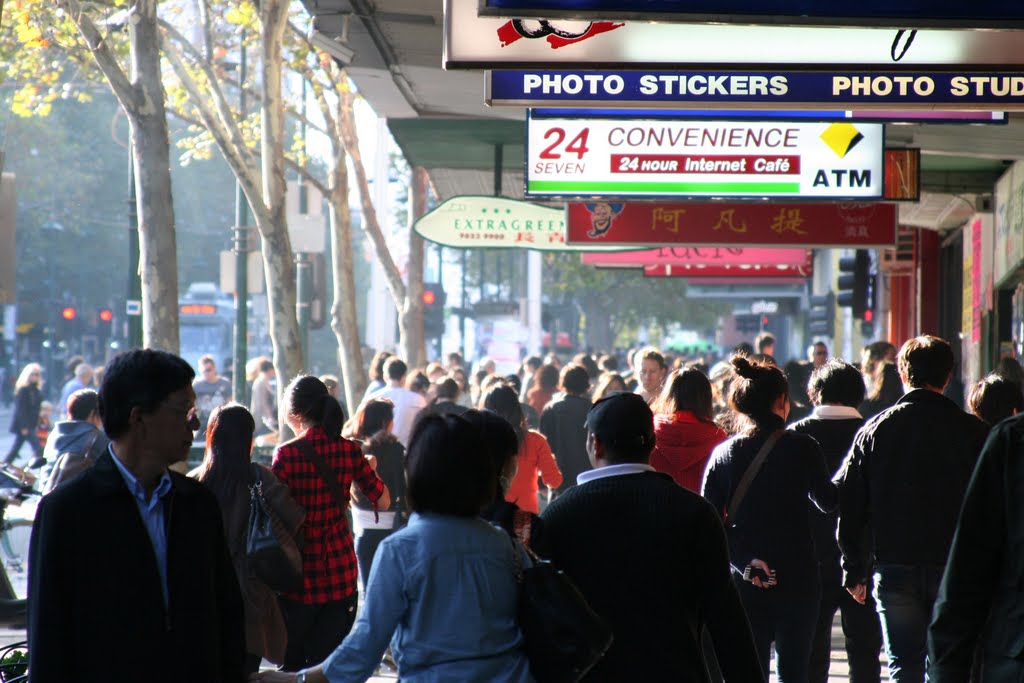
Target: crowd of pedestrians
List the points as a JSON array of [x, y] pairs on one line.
[[710, 515]]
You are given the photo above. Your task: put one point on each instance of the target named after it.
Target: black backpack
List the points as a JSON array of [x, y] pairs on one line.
[[70, 464]]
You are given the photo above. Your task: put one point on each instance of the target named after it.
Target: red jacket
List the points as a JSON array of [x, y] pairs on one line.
[[535, 458], [682, 447]]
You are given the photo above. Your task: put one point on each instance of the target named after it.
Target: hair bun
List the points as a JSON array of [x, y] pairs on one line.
[[743, 367]]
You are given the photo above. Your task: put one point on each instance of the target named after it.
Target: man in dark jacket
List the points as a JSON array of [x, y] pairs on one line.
[[649, 556], [563, 424], [980, 599], [131, 556], [836, 389], [900, 493]]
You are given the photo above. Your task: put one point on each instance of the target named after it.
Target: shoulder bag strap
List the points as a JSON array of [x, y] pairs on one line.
[[321, 468], [751, 474]]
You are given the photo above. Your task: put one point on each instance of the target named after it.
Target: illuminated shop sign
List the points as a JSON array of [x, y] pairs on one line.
[[948, 13], [479, 42], [575, 158], [775, 89]]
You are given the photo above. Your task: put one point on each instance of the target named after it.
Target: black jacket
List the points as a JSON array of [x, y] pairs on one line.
[[904, 482], [773, 523], [562, 424], [982, 591], [651, 558], [26, 409], [835, 436], [96, 608]]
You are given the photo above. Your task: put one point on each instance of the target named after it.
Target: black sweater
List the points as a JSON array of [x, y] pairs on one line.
[[834, 435], [651, 557], [773, 524], [562, 424], [904, 482]]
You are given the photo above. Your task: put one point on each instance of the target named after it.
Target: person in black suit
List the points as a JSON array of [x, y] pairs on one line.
[[129, 573], [836, 389], [976, 633]]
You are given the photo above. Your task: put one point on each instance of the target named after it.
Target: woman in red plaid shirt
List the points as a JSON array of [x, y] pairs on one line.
[[320, 616]]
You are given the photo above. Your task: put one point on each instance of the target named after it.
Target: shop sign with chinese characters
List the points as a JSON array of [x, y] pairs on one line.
[[738, 223], [579, 158], [712, 261], [497, 223]]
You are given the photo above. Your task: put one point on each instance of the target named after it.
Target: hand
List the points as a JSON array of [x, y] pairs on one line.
[[768, 571], [371, 460], [859, 592], [24, 432]]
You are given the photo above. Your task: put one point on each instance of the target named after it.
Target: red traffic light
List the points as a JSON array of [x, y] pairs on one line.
[[869, 315], [429, 298], [106, 315], [69, 313], [764, 320]]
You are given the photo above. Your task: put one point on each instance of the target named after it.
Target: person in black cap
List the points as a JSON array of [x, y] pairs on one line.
[[649, 556]]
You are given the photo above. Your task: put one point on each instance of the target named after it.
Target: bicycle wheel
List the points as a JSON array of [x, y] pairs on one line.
[[14, 541]]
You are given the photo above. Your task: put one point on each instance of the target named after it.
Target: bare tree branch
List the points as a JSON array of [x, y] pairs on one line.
[[237, 155], [228, 125], [308, 177], [350, 139], [125, 92]]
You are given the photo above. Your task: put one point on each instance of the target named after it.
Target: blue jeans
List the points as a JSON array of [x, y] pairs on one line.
[[905, 595]]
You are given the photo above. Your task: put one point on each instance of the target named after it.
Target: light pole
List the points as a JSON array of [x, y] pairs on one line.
[[133, 306], [241, 249], [53, 380]]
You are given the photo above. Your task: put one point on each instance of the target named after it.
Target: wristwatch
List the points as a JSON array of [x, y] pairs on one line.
[[300, 677]]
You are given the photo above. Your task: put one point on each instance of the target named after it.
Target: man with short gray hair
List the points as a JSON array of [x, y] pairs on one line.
[[81, 380]]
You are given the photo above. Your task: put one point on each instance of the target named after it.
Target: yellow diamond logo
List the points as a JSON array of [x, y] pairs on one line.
[[841, 138]]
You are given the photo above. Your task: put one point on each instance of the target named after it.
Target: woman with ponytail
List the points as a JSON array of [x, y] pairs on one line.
[[320, 467], [770, 542]]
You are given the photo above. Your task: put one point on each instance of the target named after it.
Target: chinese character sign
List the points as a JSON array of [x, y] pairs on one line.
[[595, 224]]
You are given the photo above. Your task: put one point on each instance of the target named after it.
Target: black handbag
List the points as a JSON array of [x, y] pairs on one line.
[[272, 552], [563, 637]]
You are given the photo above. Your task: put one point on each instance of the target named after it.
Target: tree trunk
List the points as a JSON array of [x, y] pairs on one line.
[[344, 315], [278, 261], [410, 324], [157, 241], [599, 333]]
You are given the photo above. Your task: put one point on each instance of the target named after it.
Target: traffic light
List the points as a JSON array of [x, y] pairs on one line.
[[433, 309], [822, 315], [66, 328], [853, 286], [105, 326]]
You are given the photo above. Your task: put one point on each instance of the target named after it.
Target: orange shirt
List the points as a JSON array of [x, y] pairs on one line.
[[535, 459]]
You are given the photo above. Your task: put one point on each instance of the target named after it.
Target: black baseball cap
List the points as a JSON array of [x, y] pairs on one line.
[[623, 421]]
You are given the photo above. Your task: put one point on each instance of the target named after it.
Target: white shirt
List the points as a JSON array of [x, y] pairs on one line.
[[835, 412], [613, 471], [408, 405]]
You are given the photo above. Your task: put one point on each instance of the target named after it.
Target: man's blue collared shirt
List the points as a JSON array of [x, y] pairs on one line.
[[152, 513]]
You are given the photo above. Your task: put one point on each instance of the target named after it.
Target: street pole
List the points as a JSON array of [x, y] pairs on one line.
[[241, 249], [134, 306], [304, 272]]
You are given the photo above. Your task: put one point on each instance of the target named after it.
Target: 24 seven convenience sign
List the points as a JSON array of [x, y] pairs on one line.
[[571, 158]]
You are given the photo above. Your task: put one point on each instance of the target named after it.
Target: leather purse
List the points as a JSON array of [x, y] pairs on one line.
[[563, 637], [271, 550]]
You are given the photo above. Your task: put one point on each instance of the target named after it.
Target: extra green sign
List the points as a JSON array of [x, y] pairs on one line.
[[468, 222]]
